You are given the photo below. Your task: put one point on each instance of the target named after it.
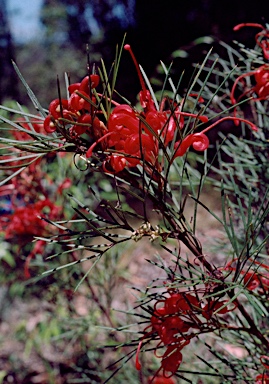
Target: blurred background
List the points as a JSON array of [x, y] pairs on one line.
[[48, 37]]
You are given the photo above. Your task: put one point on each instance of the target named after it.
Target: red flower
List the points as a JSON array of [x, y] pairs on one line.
[[254, 279], [262, 38], [32, 126], [251, 280], [199, 142], [171, 361], [86, 85], [77, 109], [26, 221], [161, 380], [171, 321], [261, 74], [181, 303], [57, 109], [132, 137], [126, 136], [138, 136], [141, 135], [220, 307], [261, 89], [262, 378], [171, 329]]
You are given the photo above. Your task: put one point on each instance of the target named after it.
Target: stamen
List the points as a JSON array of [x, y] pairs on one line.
[[137, 363], [239, 26], [90, 150], [127, 47], [202, 118], [252, 126]]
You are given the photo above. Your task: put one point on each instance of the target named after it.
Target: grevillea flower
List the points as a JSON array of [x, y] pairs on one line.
[[135, 136], [26, 200], [130, 137], [171, 360], [22, 223], [171, 321], [261, 74], [262, 37], [179, 303], [33, 126], [260, 89], [138, 135], [77, 109], [254, 279], [200, 142], [219, 307], [161, 380], [172, 329], [25, 220]]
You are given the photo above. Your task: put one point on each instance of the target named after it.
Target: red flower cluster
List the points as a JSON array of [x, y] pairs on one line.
[[25, 220], [261, 88], [21, 220], [141, 135], [262, 37], [24, 203], [26, 198], [131, 137], [33, 126], [134, 136], [254, 279], [171, 321], [79, 109], [261, 74]]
